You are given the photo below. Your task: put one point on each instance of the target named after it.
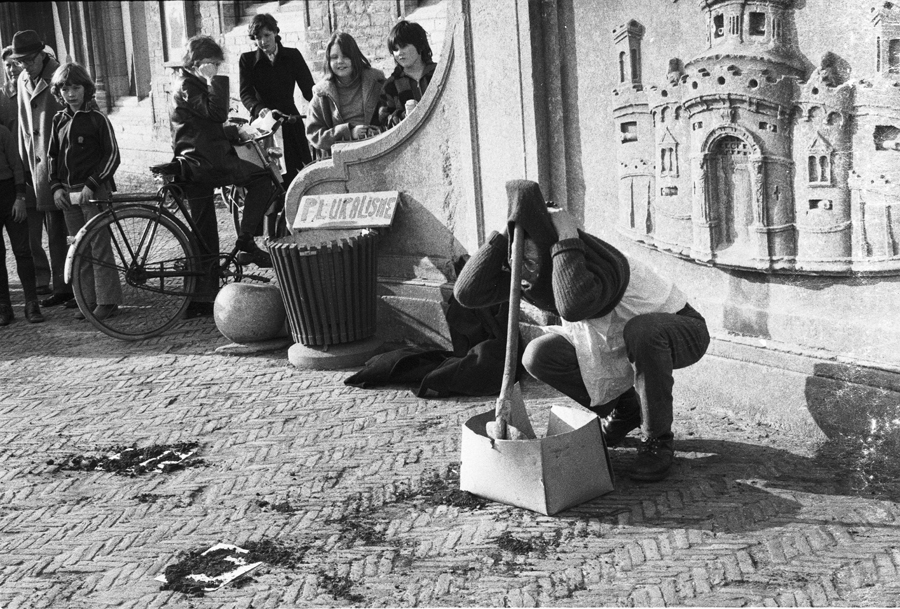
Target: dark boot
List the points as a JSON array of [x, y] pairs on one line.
[[6, 312], [33, 312], [623, 419], [655, 457]]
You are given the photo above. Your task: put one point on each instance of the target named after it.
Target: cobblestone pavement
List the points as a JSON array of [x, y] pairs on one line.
[[358, 485]]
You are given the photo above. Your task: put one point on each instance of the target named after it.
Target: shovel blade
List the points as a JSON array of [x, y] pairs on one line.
[[511, 410]]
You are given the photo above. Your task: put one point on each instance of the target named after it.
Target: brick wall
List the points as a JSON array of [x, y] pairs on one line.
[[305, 24]]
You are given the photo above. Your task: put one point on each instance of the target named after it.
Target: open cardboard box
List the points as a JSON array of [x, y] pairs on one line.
[[569, 466]]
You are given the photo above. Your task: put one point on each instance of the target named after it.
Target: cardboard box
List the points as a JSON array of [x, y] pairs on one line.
[[569, 466]]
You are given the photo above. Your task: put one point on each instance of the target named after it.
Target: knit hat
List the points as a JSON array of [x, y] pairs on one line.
[[25, 43], [528, 208]]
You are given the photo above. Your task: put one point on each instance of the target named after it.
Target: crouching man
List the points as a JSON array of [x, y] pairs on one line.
[[625, 328]]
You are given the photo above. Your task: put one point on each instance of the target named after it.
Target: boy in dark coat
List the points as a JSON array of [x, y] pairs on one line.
[[624, 330]]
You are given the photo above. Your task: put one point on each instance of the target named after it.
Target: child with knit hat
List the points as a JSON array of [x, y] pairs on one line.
[[624, 327]]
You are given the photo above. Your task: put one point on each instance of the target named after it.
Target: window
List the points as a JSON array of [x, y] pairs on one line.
[[894, 56], [757, 24], [718, 26], [734, 25], [635, 64], [622, 66], [629, 132], [819, 167], [177, 26], [668, 162]]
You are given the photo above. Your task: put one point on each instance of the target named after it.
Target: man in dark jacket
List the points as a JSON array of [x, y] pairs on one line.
[[624, 328], [268, 75]]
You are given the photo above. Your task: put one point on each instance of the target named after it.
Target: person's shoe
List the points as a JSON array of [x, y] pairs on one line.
[[57, 299], [33, 312], [260, 258], [621, 421], [71, 304], [655, 457], [79, 315], [105, 311], [198, 309], [43, 290], [6, 314]]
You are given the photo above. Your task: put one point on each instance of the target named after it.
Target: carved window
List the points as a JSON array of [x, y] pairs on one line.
[[635, 64], [734, 25], [894, 56], [622, 66], [776, 28], [668, 161], [757, 24], [629, 132], [878, 54], [718, 26], [819, 166]]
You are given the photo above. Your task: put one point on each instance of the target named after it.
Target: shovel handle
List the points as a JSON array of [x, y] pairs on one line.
[[512, 324]]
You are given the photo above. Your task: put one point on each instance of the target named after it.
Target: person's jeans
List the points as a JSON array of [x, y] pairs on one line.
[[18, 242], [656, 344], [100, 283]]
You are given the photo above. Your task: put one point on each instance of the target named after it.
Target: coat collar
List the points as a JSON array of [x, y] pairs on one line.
[[258, 56]]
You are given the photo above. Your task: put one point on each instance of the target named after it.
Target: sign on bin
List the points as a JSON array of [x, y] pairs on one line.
[[347, 210]]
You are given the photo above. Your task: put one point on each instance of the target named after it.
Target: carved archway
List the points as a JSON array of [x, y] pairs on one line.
[[731, 180]]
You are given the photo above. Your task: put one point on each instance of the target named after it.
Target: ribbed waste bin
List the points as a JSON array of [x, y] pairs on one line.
[[327, 282]]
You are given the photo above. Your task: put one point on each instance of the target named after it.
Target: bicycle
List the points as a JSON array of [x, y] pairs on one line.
[[156, 253]]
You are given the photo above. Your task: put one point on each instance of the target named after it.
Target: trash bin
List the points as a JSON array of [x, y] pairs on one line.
[[327, 282]]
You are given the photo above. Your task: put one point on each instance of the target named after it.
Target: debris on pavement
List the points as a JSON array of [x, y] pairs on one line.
[[133, 461], [199, 572]]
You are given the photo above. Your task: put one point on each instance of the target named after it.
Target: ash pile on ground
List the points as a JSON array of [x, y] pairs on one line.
[[134, 461], [215, 563]]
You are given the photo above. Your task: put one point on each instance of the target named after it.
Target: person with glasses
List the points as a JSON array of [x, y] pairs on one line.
[[36, 108], [198, 112]]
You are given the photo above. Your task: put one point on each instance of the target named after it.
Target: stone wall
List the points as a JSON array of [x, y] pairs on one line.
[[304, 24]]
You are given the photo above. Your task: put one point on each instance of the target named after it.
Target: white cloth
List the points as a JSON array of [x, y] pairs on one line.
[[599, 342]]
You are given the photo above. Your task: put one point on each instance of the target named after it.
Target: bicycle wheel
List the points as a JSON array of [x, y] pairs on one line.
[[153, 260]]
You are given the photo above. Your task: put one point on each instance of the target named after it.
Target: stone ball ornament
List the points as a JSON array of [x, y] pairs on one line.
[[247, 312]]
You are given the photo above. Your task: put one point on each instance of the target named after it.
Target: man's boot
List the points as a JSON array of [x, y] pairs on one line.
[[623, 419], [655, 457]]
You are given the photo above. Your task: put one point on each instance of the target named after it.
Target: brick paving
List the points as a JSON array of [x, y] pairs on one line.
[[347, 478]]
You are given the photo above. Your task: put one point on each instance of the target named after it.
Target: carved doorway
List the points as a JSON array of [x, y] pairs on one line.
[[730, 188]]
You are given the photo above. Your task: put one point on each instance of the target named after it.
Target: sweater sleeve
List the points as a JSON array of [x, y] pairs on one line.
[[579, 290], [484, 281], [390, 113], [319, 130], [109, 157]]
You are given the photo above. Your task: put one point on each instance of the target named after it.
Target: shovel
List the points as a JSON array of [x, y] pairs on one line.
[[510, 417]]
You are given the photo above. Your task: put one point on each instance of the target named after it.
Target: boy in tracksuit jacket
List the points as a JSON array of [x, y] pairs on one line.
[[84, 156]]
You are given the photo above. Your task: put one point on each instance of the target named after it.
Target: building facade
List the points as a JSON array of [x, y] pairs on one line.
[[747, 149]]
